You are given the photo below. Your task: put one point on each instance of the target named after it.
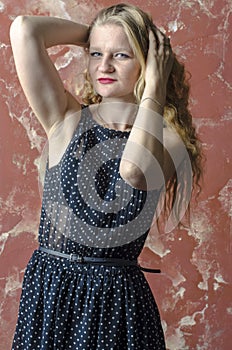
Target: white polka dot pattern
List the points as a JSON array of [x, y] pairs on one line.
[[66, 305]]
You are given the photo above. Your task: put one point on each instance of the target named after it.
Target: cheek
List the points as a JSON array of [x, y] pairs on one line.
[[135, 73]]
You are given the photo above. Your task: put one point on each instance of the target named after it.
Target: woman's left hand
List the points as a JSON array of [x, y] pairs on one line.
[[158, 66]]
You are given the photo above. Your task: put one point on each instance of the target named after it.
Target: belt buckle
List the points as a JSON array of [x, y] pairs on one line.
[[76, 258]]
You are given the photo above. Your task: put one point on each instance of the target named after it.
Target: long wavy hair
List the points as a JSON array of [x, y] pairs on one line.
[[136, 24]]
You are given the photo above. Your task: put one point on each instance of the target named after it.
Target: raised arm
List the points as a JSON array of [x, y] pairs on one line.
[[44, 90], [149, 155]]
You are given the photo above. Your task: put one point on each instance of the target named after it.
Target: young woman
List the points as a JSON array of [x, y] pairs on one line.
[[108, 163]]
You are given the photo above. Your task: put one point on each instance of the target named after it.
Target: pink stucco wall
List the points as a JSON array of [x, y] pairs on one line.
[[194, 290]]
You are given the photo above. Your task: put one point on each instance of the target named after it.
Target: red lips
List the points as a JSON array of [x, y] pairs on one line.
[[106, 80]]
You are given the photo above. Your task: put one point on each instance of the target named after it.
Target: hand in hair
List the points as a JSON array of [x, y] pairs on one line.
[[159, 65]]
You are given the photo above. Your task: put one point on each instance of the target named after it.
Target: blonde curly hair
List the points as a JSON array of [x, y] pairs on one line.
[[136, 24]]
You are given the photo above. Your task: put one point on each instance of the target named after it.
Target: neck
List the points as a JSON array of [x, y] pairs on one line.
[[119, 115]]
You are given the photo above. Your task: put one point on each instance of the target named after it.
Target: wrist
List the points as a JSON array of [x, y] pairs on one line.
[[151, 101], [156, 93]]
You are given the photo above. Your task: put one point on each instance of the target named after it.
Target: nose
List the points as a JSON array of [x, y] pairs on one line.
[[106, 64]]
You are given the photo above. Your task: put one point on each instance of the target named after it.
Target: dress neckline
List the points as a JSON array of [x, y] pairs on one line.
[[102, 127]]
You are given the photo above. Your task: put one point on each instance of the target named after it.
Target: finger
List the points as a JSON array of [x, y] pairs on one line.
[[167, 42], [160, 37], [152, 40], [164, 45], [167, 48]]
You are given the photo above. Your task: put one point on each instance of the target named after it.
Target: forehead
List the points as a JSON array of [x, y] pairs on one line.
[[109, 36]]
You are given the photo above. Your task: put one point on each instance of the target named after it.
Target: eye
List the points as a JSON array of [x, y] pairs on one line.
[[95, 54], [121, 55]]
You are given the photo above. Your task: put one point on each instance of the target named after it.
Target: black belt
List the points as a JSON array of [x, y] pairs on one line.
[[100, 261]]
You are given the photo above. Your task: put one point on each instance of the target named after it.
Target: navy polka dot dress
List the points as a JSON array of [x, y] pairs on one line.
[[90, 211]]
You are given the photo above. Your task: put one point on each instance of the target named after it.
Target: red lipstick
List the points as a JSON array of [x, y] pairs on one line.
[[106, 80]]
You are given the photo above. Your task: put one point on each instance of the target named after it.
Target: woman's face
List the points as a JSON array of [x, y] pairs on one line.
[[113, 68]]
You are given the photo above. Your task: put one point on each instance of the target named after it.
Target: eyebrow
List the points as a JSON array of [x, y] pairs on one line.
[[116, 49]]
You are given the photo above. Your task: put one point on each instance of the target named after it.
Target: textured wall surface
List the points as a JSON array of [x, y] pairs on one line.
[[194, 290]]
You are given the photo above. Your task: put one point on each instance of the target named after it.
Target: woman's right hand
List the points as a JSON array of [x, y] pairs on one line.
[[42, 85]]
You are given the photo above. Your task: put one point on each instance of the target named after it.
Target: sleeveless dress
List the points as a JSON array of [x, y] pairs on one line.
[[89, 210]]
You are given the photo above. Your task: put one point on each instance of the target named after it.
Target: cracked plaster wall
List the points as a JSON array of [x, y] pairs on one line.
[[194, 290]]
